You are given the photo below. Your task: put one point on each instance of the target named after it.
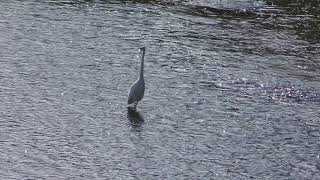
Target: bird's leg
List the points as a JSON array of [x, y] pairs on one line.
[[135, 105]]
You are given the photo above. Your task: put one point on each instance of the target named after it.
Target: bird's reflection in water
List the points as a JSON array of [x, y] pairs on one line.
[[135, 119]]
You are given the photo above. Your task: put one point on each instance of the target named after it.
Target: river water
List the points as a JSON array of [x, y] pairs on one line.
[[232, 89]]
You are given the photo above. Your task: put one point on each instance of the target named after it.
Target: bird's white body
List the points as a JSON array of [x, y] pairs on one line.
[[136, 91]]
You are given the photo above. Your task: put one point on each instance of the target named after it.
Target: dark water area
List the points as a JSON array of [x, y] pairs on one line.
[[232, 89]]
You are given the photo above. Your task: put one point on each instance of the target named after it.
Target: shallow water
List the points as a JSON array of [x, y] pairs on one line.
[[232, 90]]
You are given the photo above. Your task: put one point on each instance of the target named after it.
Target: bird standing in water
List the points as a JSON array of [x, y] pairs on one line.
[[137, 88]]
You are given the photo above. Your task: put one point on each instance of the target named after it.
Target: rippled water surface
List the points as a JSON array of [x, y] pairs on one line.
[[232, 90]]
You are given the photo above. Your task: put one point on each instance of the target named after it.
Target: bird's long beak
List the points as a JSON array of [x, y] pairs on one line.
[[140, 49]]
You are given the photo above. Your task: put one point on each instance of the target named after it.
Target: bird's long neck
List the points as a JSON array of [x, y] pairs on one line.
[[142, 64]]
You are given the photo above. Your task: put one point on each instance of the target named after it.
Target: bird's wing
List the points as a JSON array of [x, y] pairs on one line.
[[130, 100]]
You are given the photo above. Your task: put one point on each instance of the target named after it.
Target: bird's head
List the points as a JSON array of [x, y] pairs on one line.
[[142, 49]]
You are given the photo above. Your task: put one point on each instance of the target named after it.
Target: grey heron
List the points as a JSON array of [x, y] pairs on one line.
[[137, 88]]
